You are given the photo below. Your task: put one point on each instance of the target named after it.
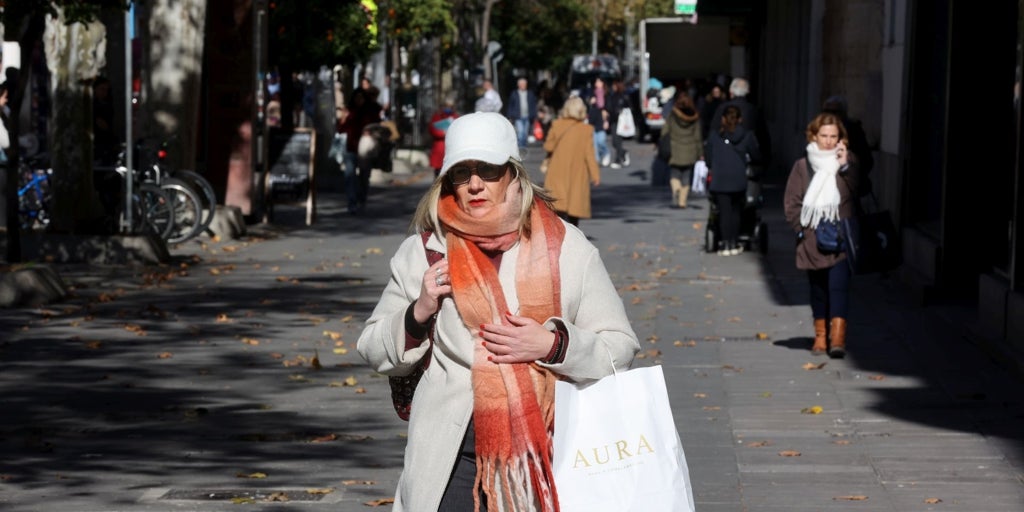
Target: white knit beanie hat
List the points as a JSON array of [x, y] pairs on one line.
[[484, 136]]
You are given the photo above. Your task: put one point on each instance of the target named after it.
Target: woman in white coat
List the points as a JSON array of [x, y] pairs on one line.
[[520, 299]]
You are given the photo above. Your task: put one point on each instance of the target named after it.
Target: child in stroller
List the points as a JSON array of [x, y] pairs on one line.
[[734, 183]]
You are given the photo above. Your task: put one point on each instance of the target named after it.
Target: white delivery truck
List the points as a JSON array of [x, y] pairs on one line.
[[673, 49]]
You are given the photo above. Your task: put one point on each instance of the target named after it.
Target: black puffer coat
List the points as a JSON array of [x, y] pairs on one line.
[[727, 156]]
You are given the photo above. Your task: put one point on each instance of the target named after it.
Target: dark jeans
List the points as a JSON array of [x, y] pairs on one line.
[[620, 154], [730, 214], [830, 291], [458, 496]]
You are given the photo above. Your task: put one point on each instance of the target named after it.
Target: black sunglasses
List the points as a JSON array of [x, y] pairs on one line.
[[460, 174]]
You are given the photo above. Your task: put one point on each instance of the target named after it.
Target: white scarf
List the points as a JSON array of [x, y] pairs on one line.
[[821, 201]]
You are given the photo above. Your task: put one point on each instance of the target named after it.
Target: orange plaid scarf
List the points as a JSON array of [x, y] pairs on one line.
[[513, 404]]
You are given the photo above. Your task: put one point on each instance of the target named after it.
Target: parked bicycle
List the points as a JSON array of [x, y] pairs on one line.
[[194, 198], [186, 206], [34, 196], [152, 207]]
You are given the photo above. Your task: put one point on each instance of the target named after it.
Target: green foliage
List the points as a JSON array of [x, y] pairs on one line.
[[555, 31], [75, 11], [305, 34], [408, 21]]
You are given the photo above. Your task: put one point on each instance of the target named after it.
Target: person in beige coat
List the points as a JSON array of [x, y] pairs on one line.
[[573, 166], [520, 299]]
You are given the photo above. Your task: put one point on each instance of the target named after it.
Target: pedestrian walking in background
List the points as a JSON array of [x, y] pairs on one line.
[[5, 136], [490, 101], [522, 110], [519, 300], [597, 116], [822, 187], [708, 106], [739, 90], [682, 127], [363, 111], [439, 124], [618, 103], [573, 167], [728, 152]]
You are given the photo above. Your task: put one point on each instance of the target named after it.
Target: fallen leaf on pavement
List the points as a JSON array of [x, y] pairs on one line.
[[762, 335], [340, 351], [277, 496], [812, 366], [137, 329], [325, 438], [790, 453], [250, 341], [877, 377], [334, 335], [758, 444], [347, 319], [251, 475], [857, 497], [815, 409], [315, 362], [700, 395], [932, 501], [358, 482], [380, 502], [223, 318], [351, 381], [320, 491], [164, 355]]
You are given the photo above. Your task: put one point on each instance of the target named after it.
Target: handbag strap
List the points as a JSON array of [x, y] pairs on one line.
[[432, 257]]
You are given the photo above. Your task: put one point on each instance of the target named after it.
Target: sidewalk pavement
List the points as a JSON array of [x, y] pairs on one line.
[[230, 375]]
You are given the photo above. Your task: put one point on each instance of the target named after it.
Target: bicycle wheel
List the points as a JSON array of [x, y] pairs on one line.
[[157, 211], [188, 210], [205, 192]]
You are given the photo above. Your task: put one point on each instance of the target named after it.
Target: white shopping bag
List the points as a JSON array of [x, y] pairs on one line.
[[625, 127], [700, 178], [616, 447]]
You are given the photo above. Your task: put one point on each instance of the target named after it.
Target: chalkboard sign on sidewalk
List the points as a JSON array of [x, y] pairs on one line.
[[289, 177]]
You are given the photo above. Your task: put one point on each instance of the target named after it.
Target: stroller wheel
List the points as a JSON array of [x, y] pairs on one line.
[[760, 239], [710, 240]]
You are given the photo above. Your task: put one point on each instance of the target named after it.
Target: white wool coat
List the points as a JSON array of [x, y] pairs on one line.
[[592, 312]]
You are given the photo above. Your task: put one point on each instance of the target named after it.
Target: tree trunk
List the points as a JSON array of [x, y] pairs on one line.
[[74, 55], [172, 35]]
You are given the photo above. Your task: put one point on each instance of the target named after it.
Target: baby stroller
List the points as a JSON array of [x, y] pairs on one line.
[[753, 231]]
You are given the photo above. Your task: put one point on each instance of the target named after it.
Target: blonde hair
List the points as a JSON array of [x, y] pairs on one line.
[[574, 108], [425, 218]]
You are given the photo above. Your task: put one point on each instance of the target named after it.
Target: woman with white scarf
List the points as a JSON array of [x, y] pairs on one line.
[[822, 187]]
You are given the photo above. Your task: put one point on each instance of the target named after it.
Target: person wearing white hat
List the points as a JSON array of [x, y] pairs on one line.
[[520, 299]]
